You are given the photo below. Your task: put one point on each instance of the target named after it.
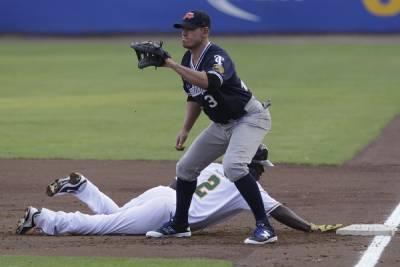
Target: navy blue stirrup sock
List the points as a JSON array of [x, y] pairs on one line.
[[249, 190], [184, 194]]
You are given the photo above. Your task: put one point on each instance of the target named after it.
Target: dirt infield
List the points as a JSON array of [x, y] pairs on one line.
[[364, 190]]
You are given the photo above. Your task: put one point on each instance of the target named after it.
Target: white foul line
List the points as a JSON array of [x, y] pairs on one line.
[[378, 244]]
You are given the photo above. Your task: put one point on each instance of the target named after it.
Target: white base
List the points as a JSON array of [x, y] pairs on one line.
[[367, 230]]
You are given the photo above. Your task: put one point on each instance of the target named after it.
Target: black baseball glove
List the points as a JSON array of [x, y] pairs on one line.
[[150, 53]]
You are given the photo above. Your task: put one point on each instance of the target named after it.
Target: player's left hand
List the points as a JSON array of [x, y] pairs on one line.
[[324, 228], [169, 63]]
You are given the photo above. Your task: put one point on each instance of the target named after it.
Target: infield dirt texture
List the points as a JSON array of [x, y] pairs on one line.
[[363, 190]]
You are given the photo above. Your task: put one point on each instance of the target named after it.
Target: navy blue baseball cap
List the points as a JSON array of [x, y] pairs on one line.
[[194, 19]]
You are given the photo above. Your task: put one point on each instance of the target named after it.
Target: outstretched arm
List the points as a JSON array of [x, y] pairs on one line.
[[198, 78], [287, 217]]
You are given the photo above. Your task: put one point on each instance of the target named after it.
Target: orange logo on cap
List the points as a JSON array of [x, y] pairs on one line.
[[188, 15]]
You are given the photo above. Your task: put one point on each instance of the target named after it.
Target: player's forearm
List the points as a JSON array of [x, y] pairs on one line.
[[197, 78], [286, 216], [192, 113]]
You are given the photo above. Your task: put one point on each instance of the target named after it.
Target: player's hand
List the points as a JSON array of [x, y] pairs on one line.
[[169, 63], [180, 140]]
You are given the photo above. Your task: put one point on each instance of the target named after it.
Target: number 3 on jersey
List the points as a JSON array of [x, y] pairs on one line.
[[212, 103], [203, 188]]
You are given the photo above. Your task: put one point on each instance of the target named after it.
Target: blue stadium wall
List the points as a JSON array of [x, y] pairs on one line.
[[228, 16]]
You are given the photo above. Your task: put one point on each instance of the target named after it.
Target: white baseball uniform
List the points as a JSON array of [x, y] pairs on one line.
[[216, 199]]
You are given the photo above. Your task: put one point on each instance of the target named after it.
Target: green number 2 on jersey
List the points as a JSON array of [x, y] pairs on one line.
[[203, 188]]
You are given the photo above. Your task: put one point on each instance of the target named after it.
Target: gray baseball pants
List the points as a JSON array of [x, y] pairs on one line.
[[238, 140]]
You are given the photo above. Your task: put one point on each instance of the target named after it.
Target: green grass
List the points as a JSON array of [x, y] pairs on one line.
[[41, 261], [80, 101]]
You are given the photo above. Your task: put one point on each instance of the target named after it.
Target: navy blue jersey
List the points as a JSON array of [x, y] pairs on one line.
[[226, 102]]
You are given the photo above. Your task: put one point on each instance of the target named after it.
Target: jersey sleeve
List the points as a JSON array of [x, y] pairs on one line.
[[219, 65], [190, 98], [269, 203]]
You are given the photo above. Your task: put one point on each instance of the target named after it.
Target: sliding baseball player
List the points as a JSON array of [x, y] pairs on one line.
[[216, 199]]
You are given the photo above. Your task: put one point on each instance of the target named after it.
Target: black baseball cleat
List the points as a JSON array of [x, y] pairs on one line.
[[27, 222], [169, 230], [69, 184]]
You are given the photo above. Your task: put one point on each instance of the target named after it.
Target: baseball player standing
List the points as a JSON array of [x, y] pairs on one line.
[[239, 124]]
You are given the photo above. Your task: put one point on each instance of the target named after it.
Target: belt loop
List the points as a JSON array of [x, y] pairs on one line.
[[248, 104], [267, 103]]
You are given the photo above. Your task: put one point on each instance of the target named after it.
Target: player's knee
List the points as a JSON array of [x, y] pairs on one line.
[[235, 170], [186, 172]]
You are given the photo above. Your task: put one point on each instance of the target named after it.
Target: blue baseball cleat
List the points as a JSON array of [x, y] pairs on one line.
[[169, 230], [262, 235]]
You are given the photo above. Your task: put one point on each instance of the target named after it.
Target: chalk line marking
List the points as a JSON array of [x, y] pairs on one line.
[[378, 244]]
